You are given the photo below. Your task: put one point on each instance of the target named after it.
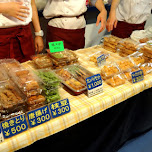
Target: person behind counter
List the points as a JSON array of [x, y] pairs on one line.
[[16, 39], [128, 15], [67, 22]]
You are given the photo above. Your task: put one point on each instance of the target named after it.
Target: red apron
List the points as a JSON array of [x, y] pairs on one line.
[[73, 39], [16, 42], [124, 30]]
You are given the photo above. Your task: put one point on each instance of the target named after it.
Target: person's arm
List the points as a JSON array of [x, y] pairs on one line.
[[36, 24], [102, 15], [112, 20], [14, 9]]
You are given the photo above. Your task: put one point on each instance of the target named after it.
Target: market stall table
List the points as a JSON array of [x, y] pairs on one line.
[[82, 107]]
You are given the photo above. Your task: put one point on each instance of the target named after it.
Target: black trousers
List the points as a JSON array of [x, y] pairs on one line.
[[106, 131]]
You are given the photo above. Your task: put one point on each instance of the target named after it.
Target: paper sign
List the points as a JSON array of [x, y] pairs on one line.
[[14, 126], [94, 85], [60, 108], [137, 76], [57, 46], [1, 136], [38, 116], [101, 60]]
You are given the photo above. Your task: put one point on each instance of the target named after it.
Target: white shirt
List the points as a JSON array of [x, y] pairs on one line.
[[8, 21], [66, 8], [134, 11]]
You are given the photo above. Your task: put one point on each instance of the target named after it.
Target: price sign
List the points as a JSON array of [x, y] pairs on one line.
[[14, 126], [57, 46], [60, 108], [137, 76], [94, 85], [38, 116], [101, 60]]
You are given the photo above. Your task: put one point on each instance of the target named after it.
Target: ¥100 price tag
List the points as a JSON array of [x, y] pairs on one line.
[[57, 46], [38, 116], [101, 60], [137, 76], [14, 126], [94, 85], [60, 108]]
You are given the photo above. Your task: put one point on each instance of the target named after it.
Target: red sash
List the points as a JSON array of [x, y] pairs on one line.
[[73, 39], [16, 42], [124, 29]]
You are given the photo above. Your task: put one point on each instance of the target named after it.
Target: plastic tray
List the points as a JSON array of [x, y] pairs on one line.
[[42, 60], [76, 82], [108, 70], [116, 80], [11, 98]]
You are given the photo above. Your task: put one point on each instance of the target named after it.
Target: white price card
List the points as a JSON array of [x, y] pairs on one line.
[[94, 85]]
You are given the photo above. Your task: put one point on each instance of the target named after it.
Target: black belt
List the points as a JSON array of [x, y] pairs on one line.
[[61, 16]]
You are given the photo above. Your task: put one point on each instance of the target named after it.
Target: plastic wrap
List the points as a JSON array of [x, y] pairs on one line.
[[137, 58], [146, 67], [110, 43], [73, 76], [11, 99], [42, 61], [67, 55], [50, 85], [146, 49], [128, 73], [125, 63], [93, 57], [127, 46], [3, 74], [116, 80], [109, 70]]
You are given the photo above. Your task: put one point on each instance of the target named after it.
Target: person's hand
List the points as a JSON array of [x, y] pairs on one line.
[[39, 45], [111, 22], [102, 18], [17, 10]]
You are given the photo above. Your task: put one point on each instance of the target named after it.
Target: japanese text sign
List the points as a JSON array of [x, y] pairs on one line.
[[60, 108], [14, 126], [94, 85], [57, 46], [38, 116], [137, 76], [101, 60]]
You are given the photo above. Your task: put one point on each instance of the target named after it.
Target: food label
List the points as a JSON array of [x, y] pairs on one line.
[[14, 126], [38, 116], [94, 85], [101, 60], [137, 76], [57, 46], [60, 108]]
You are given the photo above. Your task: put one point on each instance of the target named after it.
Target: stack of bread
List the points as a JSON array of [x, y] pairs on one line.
[[147, 52], [110, 43], [127, 47]]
